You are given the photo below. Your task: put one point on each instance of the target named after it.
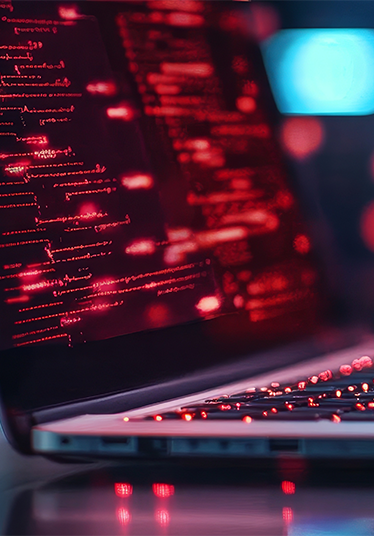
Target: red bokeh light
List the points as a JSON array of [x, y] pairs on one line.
[[208, 304], [264, 21], [163, 491], [158, 314], [288, 487], [302, 136], [301, 244], [68, 12], [246, 105], [141, 247], [107, 88], [124, 112], [122, 489], [137, 182]]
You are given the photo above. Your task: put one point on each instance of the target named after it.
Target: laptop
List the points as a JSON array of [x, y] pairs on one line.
[[170, 286]]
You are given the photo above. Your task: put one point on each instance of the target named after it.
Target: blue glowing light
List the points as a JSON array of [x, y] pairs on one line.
[[321, 71]]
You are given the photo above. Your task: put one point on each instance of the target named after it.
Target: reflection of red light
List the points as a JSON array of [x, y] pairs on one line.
[[123, 112], [167, 89], [246, 105], [162, 517], [141, 247], [87, 210], [301, 385], [204, 414], [137, 182], [301, 244], [287, 514], [163, 491], [366, 361], [302, 136], [158, 418], [123, 516], [346, 370], [122, 490], [158, 314], [338, 393], [102, 88], [187, 417], [288, 487], [208, 304], [335, 418], [325, 375], [247, 419]]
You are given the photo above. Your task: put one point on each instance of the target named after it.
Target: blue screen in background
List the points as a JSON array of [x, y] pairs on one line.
[[321, 71]]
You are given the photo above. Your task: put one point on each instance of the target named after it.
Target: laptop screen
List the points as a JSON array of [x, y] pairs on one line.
[[141, 182]]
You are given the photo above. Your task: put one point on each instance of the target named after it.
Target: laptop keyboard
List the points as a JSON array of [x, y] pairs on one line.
[[347, 395]]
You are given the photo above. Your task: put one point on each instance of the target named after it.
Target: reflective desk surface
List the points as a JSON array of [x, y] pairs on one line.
[[287, 497]]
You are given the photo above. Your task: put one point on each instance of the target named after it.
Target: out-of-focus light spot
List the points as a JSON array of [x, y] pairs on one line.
[[301, 385], [199, 70], [365, 387], [367, 226], [208, 304], [360, 406], [123, 516], [126, 419], [122, 490], [102, 88], [138, 182], [141, 247], [338, 393], [163, 491], [335, 418], [124, 112], [162, 517], [238, 301], [68, 12], [287, 514], [351, 388], [346, 370], [371, 405], [366, 361], [88, 210], [158, 314], [264, 21], [325, 375], [18, 299], [204, 414], [246, 105], [177, 234], [321, 71], [247, 419], [288, 487], [187, 417], [302, 136], [185, 19], [301, 244], [158, 418]]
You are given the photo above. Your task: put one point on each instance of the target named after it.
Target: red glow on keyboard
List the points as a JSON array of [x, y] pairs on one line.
[[360, 406], [301, 385], [224, 407], [313, 379], [246, 105], [371, 405], [162, 517], [264, 21], [274, 410], [366, 361], [137, 182], [123, 516], [124, 112], [247, 419], [122, 489], [335, 418], [338, 393], [187, 417], [346, 370], [163, 491], [102, 88], [302, 136], [198, 70], [204, 414], [365, 387], [301, 244], [141, 247], [193, 6], [168, 89], [287, 514], [158, 418], [288, 390], [209, 304], [88, 211], [288, 487]]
